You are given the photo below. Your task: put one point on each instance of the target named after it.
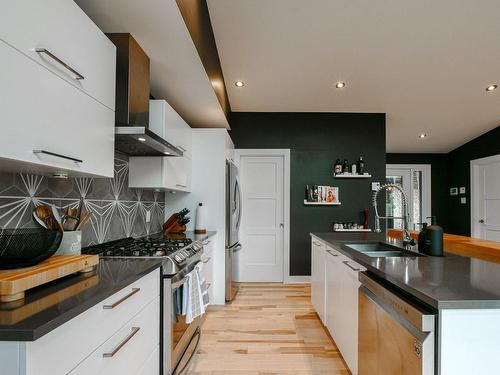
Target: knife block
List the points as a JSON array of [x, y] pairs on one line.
[[172, 225]]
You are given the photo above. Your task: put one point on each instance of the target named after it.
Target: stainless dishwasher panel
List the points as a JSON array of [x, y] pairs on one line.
[[394, 337]]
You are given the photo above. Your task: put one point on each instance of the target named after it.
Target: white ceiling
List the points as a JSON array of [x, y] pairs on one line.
[[177, 73], [425, 63]]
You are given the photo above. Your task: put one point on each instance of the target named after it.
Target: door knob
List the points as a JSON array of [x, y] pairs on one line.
[[282, 225], [481, 221]]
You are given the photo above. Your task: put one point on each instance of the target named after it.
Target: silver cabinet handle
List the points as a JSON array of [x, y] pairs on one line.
[[57, 155], [317, 243], [122, 343], [180, 185], [206, 242], [238, 248], [206, 260], [182, 148], [346, 262], [78, 76], [332, 253], [124, 298]]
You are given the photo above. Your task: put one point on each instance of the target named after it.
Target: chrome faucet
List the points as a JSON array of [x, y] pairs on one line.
[[408, 241]]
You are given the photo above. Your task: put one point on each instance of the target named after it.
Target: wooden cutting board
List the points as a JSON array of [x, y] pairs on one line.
[[14, 283]]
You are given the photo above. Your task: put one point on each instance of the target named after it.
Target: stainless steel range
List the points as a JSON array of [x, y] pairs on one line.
[[179, 256]]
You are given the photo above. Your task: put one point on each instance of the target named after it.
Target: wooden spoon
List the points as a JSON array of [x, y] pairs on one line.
[[84, 218], [44, 213]]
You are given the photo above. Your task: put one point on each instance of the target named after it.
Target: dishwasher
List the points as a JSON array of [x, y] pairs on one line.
[[395, 337]]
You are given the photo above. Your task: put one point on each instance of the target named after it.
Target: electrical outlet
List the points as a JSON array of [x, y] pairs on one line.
[[375, 186], [148, 216], [463, 200], [462, 190]]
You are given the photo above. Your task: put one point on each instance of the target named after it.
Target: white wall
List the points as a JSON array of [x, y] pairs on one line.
[[210, 149]]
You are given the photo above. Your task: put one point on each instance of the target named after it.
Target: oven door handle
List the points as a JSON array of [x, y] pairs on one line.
[[178, 284]]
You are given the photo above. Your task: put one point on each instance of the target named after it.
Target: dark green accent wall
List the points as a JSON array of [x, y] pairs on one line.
[[315, 141], [453, 170], [486, 145], [439, 181]]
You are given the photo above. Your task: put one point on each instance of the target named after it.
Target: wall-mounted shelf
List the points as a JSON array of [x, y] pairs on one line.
[[321, 203], [352, 230], [352, 176]]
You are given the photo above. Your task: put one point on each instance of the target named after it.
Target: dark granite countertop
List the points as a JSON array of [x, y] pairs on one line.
[[47, 307], [449, 282]]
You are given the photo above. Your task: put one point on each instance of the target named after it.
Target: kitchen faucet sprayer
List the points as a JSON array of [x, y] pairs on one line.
[[407, 239]]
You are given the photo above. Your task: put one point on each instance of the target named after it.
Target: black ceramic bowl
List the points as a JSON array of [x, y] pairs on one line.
[[25, 247]]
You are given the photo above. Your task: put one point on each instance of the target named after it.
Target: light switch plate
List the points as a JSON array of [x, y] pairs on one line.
[[148, 216], [375, 186], [463, 200], [462, 190], [454, 191]]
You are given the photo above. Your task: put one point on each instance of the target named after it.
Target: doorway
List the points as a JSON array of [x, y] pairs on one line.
[[265, 216], [415, 179], [485, 198]]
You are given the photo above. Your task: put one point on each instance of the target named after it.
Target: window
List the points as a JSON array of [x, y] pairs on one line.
[[416, 183]]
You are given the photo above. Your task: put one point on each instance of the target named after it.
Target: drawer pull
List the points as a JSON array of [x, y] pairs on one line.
[[317, 243], [57, 155], [182, 148], [346, 262], [113, 305], [332, 253], [122, 343], [180, 185], [78, 76], [206, 242], [206, 260]]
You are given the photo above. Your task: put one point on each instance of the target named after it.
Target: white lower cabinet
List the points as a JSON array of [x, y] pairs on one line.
[[318, 251], [342, 304], [128, 349], [117, 336]]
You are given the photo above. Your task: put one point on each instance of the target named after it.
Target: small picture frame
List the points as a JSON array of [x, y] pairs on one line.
[[454, 191]]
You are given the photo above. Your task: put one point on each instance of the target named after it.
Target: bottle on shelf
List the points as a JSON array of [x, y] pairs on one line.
[[361, 165], [345, 166], [337, 169]]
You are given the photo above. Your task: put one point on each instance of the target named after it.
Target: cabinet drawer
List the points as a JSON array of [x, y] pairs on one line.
[[129, 349], [88, 331], [208, 266], [40, 111], [63, 29], [152, 365]]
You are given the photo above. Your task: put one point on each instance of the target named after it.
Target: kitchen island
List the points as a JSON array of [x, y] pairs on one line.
[[462, 292]]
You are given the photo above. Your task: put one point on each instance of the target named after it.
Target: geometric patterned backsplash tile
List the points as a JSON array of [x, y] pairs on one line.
[[117, 210]]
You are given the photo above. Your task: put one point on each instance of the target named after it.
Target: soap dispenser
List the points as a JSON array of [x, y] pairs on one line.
[[434, 239], [421, 238]]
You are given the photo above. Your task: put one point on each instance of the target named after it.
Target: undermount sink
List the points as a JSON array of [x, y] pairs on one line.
[[380, 250]]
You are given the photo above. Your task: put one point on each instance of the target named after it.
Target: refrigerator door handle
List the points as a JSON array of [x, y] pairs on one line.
[[238, 191]]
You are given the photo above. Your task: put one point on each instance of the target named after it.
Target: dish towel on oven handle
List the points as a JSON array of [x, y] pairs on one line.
[[203, 284], [194, 306]]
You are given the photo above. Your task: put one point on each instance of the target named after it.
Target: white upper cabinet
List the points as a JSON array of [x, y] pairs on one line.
[[52, 121], [169, 125], [58, 35], [170, 173]]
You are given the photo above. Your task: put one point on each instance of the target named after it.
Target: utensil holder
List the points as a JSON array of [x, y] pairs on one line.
[[71, 243]]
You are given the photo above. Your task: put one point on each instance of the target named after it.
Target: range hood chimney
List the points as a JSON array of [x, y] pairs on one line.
[[132, 134]]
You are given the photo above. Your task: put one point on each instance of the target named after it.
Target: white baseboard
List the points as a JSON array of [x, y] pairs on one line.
[[297, 280]]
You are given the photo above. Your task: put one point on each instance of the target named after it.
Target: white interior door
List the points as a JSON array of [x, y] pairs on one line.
[[486, 198], [261, 258]]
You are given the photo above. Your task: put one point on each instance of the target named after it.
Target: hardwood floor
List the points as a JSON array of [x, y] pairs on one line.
[[269, 329]]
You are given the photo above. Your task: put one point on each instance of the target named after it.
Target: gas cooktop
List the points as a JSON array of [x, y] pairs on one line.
[[177, 254]]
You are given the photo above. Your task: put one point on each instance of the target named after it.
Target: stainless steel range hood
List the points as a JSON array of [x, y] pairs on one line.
[[132, 134]]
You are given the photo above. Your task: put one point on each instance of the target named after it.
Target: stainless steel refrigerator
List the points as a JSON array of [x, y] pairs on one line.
[[233, 221]]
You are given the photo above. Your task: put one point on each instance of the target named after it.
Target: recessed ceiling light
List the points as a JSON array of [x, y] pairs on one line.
[[340, 85], [491, 87], [141, 139], [167, 153], [239, 83], [422, 135]]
